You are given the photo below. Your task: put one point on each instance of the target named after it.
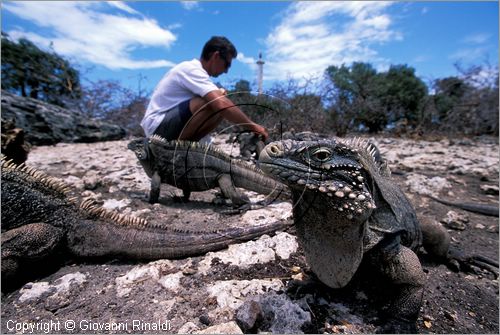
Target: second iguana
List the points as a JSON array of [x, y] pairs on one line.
[[192, 166]]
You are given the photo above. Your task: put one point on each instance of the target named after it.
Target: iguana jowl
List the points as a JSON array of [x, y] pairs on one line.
[[191, 166], [39, 219], [347, 209]]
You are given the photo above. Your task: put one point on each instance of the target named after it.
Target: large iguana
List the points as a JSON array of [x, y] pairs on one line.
[[39, 219], [347, 209], [192, 166]]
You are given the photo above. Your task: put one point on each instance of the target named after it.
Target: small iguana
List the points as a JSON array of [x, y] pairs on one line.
[[250, 144], [347, 209], [39, 220], [192, 166]]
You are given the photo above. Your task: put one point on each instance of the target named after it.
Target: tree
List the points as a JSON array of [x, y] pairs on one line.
[[101, 97], [448, 93], [355, 97], [468, 103], [29, 71], [109, 100], [360, 96], [242, 86], [403, 94]]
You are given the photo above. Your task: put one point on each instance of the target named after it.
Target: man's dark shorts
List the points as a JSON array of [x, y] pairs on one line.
[[174, 121]]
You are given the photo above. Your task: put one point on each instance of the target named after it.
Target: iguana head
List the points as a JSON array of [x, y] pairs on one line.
[[140, 148], [339, 172]]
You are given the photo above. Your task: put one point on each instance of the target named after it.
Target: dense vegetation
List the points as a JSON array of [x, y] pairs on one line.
[[31, 72], [347, 98]]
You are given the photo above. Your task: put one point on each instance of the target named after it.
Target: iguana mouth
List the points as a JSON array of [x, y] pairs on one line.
[[340, 174], [315, 165], [340, 180]]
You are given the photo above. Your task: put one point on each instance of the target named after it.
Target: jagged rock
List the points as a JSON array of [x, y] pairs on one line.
[[281, 315], [224, 328], [455, 220], [92, 182], [233, 293], [489, 189], [261, 251], [152, 271], [421, 184], [188, 328], [13, 144], [56, 291], [46, 124], [113, 204], [248, 315]]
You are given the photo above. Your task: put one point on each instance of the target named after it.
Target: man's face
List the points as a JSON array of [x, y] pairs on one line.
[[221, 63]]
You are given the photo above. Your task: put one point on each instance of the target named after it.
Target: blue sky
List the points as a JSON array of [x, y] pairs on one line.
[[129, 40]]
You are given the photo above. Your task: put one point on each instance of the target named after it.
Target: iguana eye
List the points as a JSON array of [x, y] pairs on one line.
[[321, 154]]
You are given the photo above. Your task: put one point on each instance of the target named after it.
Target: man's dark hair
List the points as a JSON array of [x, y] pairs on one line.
[[221, 44]]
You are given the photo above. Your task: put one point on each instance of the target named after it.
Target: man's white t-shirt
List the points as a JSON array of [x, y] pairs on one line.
[[183, 82]]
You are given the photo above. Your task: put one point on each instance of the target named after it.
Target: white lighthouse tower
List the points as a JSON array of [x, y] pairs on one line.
[[260, 73]]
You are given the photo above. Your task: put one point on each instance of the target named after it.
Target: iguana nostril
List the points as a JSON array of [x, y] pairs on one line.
[[274, 149]]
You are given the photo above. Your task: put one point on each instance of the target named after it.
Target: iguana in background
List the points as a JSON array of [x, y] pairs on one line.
[[347, 209], [192, 166], [39, 220]]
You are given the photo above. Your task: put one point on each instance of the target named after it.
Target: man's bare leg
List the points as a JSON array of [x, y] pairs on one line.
[[202, 121]]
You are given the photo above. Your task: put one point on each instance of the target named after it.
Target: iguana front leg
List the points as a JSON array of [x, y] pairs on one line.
[[402, 268], [24, 246], [229, 190], [154, 193]]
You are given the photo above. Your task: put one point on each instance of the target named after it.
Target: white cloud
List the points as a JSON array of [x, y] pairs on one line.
[[421, 58], [487, 77], [470, 54], [83, 31], [476, 38], [314, 35], [123, 6], [189, 5], [244, 59]]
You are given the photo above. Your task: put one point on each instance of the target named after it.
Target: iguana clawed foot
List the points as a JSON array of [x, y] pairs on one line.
[[437, 243], [237, 210], [240, 206], [310, 285], [182, 199]]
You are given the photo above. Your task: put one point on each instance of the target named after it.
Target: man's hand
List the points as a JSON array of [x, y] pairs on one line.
[[221, 104], [258, 129], [223, 91]]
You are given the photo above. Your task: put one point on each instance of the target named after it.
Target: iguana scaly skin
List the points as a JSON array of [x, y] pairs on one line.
[[192, 166], [347, 209], [38, 219]]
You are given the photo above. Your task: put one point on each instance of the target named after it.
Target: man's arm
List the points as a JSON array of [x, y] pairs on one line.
[[221, 104]]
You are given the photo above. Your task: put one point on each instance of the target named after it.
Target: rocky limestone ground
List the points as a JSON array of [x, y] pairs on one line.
[[248, 287]]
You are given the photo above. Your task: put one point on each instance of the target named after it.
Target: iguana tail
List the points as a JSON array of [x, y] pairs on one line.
[[91, 239], [489, 210]]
